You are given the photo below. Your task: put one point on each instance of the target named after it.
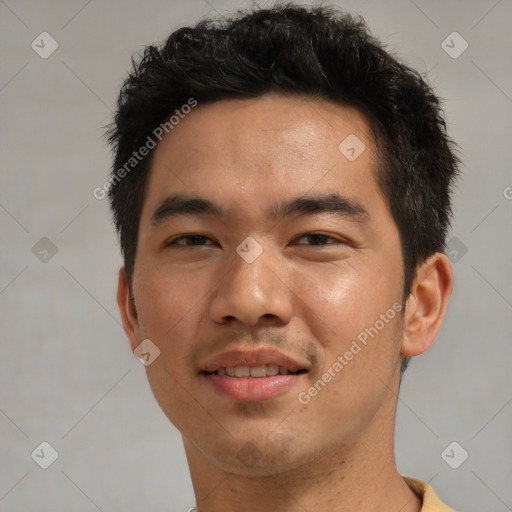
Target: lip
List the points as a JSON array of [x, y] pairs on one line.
[[258, 357], [252, 389]]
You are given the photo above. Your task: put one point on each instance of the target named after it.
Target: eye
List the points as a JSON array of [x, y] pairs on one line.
[[318, 239], [190, 240]]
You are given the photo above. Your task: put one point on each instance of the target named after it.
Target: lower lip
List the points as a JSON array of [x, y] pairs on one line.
[[254, 389]]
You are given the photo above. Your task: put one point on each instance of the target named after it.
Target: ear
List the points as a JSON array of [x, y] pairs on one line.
[[426, 305], [128, 310]]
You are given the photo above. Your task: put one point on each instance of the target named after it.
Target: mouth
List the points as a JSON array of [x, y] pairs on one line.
[[252, 376], [254, 372]]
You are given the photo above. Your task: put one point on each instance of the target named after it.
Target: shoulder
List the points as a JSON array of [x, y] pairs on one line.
[[431, 502]]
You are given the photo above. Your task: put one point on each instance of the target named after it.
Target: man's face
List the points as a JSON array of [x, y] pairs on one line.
[[322, 264]]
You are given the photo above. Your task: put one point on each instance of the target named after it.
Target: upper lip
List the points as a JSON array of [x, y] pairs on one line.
[[254, 357]]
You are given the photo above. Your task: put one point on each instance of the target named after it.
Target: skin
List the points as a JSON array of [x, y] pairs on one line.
[[308, 297]]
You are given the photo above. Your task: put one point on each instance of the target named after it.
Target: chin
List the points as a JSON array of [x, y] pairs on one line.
[[251, 456]]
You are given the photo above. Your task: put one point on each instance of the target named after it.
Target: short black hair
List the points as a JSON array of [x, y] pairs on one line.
[[320, 52]]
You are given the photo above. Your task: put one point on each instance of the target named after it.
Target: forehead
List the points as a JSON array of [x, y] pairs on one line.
[[244, 153]]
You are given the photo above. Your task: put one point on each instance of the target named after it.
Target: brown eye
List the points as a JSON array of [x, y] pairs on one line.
[[317, 239], [190, 240]]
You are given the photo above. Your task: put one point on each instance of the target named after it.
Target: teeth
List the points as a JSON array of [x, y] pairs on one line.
[[272, 370], [256, 372], [242, 371]]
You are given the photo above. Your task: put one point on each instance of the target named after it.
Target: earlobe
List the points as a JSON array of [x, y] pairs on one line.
[[426, 305], [128, 310]]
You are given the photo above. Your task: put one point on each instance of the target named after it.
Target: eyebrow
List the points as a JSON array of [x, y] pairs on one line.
[[178, 204], [327, 203], [337, 204]]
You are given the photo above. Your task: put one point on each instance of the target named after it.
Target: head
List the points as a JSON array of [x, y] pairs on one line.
[[243, 123]]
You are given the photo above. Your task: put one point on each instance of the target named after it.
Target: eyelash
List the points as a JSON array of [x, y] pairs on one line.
[[309, 235]]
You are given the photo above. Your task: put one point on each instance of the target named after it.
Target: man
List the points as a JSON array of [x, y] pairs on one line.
[[281, 189]]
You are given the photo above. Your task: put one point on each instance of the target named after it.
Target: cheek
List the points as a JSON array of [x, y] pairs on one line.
[[339, 300], [169, 313], [165, 301], [351, 309]]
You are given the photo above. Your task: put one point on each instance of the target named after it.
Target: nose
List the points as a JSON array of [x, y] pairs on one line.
[[253, 293]]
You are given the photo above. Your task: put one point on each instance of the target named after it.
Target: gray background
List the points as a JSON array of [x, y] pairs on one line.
[[68, 376]]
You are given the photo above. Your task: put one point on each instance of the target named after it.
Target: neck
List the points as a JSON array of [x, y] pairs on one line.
[[336, 481]]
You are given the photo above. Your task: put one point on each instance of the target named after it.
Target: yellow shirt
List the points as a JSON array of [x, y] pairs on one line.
[[431, 502]]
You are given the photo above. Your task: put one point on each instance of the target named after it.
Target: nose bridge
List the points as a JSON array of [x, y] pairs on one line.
[[251, 290]]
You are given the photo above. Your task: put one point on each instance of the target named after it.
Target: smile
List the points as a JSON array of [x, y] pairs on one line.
[[255, 372]]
